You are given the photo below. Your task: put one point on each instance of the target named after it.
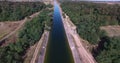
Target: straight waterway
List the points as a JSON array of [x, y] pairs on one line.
[[58, 50]]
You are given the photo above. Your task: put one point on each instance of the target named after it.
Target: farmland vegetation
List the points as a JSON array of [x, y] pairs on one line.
[[89, 17], [28, 36], [14, 11]]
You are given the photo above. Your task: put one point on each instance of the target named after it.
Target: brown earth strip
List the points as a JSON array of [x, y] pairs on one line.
[[11, 29]]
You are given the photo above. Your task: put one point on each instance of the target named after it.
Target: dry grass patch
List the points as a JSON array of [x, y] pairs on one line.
[[112, 30], [7, 27]]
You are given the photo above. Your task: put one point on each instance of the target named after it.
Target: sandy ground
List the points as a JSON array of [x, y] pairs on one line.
[[80, 53], [39, 53], [111, 30], [10, 28], [7, 27]]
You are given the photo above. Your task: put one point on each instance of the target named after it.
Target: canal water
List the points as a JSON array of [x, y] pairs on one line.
[[58, 50]]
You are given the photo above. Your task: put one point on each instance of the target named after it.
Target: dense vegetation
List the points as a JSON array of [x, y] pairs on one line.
[[109, 51], [88, 17], [29, 35], [13, 11]]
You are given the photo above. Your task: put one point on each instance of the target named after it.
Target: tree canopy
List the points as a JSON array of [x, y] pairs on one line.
[[13, 11]]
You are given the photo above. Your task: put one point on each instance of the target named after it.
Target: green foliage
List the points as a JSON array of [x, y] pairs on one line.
[[111, 52], [88, 17], [49, 5], [28, 36], [13, 11]]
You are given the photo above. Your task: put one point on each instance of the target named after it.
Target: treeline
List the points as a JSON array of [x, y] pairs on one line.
[[28, 36], [12, 11], [88, 17]]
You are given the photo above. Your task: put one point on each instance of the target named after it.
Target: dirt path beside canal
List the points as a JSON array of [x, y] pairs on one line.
[[39, 53]]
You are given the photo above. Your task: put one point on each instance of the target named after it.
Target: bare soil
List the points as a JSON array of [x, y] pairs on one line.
[[7, 27], [11, 39], [112, 30]]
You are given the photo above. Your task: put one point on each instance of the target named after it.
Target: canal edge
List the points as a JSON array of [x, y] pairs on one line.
[[37, 56], [74, 50]]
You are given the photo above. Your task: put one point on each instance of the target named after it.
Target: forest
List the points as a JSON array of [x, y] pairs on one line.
[[108, 52], [28, 36], [14, 11], [89, 17]]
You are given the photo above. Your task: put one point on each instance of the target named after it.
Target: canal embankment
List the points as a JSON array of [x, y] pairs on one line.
[[72, 45], [80, 53], [39, 53]]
